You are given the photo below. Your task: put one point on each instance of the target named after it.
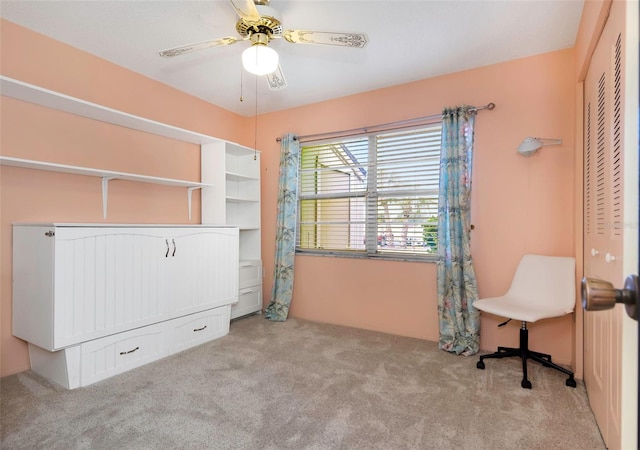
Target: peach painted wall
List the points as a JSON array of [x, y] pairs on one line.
[[520, 205], [30, 131]]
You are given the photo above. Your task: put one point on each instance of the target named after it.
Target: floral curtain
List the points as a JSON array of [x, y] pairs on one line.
[[282, 291], [457, 287]]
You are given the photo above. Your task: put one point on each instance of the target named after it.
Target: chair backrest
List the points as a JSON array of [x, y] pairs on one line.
[[545, 281]]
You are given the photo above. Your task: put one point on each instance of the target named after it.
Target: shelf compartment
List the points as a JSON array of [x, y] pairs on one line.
[[241, 163], [238, 177], [241, 200], [249, 244]]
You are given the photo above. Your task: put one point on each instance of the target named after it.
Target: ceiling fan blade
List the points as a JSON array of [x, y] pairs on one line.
[[197, 46], [357, 40], [276, 80], [246, 9]]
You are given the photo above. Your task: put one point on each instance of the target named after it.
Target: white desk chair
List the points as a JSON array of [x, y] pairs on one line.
[[542, 287]]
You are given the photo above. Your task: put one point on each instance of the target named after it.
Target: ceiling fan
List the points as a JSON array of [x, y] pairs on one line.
[[260, 23]]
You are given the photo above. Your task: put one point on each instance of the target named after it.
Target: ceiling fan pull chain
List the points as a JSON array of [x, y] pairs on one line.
[[241, 99], [255, 135]]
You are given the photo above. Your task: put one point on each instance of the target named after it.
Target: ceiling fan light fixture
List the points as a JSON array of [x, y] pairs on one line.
[[260, 59]]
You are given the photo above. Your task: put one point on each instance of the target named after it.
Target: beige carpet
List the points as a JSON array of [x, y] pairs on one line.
[[302, 385]]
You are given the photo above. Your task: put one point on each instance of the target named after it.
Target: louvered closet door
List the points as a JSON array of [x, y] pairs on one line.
[[603, 189]]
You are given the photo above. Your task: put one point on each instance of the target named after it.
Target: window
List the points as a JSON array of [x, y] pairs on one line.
[[371, 195]]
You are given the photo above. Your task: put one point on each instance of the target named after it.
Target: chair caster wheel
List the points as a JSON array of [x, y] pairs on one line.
[[526, 384], [570, 382], [480, 365]]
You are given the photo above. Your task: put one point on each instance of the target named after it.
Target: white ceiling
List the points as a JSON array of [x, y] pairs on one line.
[[408, 41]]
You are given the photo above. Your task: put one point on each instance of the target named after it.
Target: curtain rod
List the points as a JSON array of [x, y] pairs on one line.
[[386, 126]]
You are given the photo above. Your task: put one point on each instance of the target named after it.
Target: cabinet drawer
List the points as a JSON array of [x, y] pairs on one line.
[[111, 355], [249, 301], [250, 273], [196, 329]]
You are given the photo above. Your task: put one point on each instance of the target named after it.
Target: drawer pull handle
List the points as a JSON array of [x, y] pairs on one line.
[[248, 291], [174, 247], [130, 351], [167, 242], [200, 329]]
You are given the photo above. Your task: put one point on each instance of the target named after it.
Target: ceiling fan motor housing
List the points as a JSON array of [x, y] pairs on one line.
[[268, 24]]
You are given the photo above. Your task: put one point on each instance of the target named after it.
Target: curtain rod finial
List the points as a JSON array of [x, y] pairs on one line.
[[279, 139]]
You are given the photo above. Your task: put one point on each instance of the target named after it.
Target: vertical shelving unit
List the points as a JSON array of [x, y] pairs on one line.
[[236, 203]]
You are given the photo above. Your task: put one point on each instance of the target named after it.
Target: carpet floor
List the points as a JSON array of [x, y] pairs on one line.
[[304, 385]]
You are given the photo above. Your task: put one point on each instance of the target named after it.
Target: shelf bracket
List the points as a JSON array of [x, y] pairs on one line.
[[189, 192], [105, 194]]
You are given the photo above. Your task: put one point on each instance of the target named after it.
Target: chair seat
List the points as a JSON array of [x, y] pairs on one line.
[[512, 308]]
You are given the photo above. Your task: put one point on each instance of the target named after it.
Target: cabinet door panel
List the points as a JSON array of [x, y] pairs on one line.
[[250, 273], [106, 283], [203, 270]]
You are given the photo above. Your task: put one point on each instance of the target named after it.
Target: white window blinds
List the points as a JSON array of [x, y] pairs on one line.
[[374, 195]]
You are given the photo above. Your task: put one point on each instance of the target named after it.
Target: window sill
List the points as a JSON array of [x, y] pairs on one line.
[[378, 257]]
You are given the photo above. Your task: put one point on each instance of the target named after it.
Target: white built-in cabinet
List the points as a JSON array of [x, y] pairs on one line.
[[95, 300], [163, 288], [237, 203]]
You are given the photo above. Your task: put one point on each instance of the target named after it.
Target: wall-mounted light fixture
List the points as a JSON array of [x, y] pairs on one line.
[[530, 145]]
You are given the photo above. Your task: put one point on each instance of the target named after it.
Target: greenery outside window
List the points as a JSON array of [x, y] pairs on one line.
[[372, 195]]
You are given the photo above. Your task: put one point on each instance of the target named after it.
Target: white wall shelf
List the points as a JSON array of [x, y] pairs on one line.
[[10, 87], [20, 90], [106, 175]]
